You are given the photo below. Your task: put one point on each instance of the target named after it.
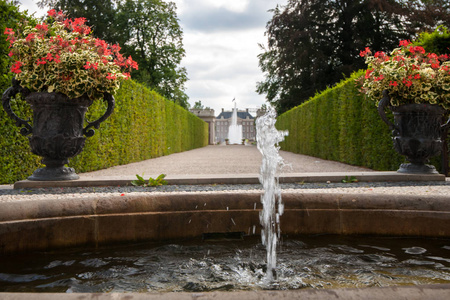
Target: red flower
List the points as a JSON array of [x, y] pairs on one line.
[[8, 31], [78, 29], [443, 57], [414, 49], [116, 48], [49, 57], [66, 23], [120, 60], [10, 54], [51, 13], [368, 72], [30, 37], [79, 21], [399, 58], [393, 83], [379, 78], [132, 63], [365, 52], [417, 76], [57, 59], [408, 83], [15, 68], [379, 54], [43, 27], [405, 43], [41, 61], [111, 76]]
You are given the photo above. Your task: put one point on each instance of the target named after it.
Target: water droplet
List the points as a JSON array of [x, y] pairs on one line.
[[415, 250]]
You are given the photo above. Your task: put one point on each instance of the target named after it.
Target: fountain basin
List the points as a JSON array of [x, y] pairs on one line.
[[96, 220]]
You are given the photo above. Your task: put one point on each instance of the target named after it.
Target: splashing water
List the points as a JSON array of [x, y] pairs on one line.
[[268, 137]]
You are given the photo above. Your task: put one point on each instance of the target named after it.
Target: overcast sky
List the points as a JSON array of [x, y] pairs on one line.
[[221, 41]]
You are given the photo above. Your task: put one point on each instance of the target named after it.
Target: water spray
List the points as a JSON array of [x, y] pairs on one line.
[[268, 137]]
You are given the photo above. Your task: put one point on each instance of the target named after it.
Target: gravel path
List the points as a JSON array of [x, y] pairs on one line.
[[439, 188], [232, 159]]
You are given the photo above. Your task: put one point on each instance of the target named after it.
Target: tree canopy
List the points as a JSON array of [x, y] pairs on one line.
[[150, 33], [313, 44], [198, 105], [148, 30]]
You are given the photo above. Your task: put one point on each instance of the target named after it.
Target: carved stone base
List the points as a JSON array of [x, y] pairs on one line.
[[412, 168], [54, 174]]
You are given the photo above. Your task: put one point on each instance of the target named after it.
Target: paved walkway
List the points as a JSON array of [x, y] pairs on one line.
[[231, 159]]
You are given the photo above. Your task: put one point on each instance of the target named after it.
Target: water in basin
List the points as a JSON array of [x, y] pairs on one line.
[[322, 261]]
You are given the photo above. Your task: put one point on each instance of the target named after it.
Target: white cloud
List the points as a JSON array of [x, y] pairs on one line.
[[31, 6], [221, 42]]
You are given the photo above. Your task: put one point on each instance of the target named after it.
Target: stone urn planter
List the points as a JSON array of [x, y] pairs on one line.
[[58, 131], [417, 131]]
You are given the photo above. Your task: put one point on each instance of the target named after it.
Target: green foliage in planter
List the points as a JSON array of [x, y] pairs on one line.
[[340, 124], [144, 125]]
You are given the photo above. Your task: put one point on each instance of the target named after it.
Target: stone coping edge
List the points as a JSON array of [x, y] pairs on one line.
[[104, 205], [88, 181], [43, 224], [419, 292]]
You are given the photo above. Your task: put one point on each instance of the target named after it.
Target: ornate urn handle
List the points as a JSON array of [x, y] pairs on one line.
[[96, 124], [446, 125], [384, 102], [6, 99]]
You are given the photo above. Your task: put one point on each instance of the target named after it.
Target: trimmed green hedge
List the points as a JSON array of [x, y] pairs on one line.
[[340, 124], [144, 125]]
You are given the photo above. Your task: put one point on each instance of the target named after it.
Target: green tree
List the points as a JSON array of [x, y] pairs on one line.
[[426, 15], [198, 105], [151, 34], [313, 44]]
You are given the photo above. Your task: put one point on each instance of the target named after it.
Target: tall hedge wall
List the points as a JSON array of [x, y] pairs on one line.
[[144, 125], [340, 124]]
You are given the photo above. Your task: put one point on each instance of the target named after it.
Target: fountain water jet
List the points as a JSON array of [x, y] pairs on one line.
[[268, 137], [235, 130]]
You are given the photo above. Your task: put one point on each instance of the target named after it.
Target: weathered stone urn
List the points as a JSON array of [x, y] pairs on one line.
[[58, 132], [417, 132]]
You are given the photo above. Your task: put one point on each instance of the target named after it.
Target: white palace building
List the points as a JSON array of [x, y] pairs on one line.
[[219, 126]]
